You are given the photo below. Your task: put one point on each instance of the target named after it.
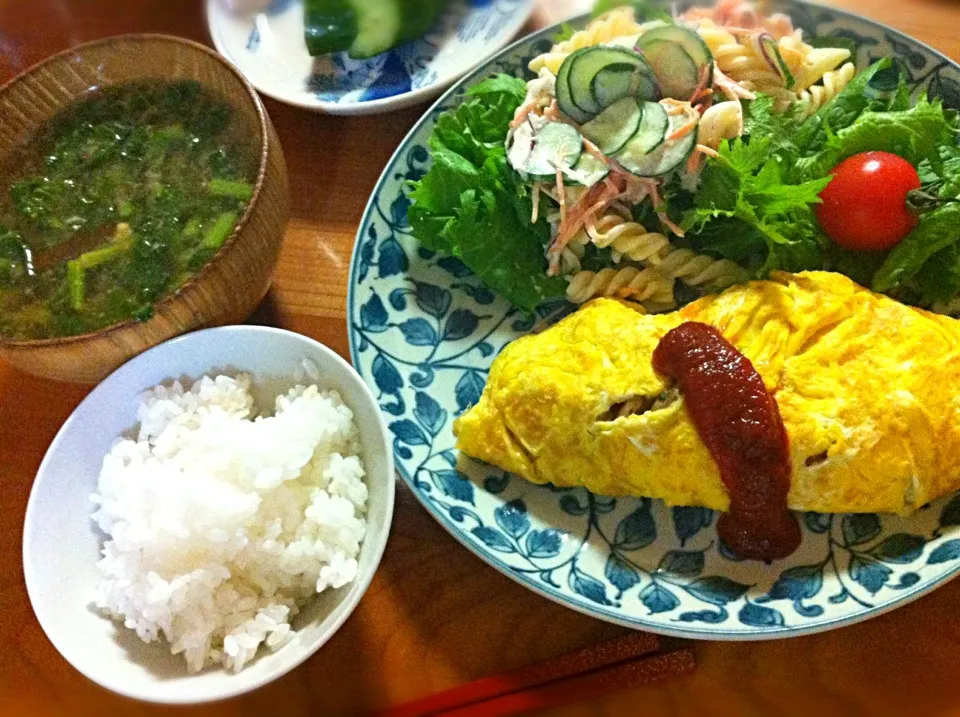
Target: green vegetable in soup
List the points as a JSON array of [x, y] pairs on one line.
[[115, 204], [13, 258]]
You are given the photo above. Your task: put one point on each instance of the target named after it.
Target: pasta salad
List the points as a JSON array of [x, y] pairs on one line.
[[657, 158]]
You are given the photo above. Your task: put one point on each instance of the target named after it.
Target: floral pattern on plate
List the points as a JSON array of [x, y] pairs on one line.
[[424, 332], [269, 49]]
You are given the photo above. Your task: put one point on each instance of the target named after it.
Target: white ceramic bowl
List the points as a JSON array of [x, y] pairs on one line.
[[61, 544], [267, 46]]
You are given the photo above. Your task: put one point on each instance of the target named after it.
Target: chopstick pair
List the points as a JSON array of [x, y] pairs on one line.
[[581, 675]]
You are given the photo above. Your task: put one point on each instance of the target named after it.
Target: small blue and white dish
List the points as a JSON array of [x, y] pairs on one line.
[[423, 334], [269, 49]]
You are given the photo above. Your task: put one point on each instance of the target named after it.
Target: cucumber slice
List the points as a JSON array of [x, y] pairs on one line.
[[588, 171], [381, 25], [564, 100], [522, 141], [676, 72], [665, 158], [418, 16], [612, 129], [771, 52], [329, 26], [585, 67], [556, 146], [615, 82], [690, 41], [650, 134], [378, 27]]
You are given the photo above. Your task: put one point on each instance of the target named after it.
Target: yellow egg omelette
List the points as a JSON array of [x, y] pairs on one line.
[[867, 388]]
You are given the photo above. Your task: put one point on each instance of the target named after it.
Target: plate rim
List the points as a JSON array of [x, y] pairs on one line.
[[384, 104], [601, 612]]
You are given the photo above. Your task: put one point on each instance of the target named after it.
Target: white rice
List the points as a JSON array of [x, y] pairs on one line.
[[221, 527]]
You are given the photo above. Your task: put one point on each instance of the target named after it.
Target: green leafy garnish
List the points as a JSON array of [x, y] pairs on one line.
[[565, 32], [936, 231], [913, 134], [643, 10], [767, 222], [881, 87], [473, 206], [13, 258]]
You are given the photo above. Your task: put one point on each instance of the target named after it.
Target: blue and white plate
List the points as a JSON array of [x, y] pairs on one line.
[[269, 49], [423, 333]]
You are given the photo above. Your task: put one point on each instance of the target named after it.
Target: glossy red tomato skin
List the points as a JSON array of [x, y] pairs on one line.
[[865, 205]]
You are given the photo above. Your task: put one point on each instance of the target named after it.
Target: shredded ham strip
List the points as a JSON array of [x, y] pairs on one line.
[[590, 226], [683, 130], [553, 112], [620, 209], [731, 89], [596, 198], [709, 151], [701, 89], [522, 111], [734, 30], [779, 24], [674, 107], [704, 104], [595, 151], [665, 220], [561, 197]]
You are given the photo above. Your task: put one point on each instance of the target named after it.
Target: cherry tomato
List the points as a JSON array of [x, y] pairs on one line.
[[865, 205]]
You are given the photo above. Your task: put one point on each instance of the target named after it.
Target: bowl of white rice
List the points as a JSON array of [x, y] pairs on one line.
[[210, 515]]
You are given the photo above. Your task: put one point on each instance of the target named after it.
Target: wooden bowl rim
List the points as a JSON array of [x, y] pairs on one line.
[[133, 38]]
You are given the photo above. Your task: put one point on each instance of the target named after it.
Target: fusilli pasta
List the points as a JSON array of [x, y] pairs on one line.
[[626, 238], [616, 23], [632, 241], [739, 61], [647, 286], [833, 82], [721, 121], [700, 270], [818, 62]]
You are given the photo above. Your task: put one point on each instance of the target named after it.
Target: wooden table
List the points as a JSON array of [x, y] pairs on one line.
[[435, 616]]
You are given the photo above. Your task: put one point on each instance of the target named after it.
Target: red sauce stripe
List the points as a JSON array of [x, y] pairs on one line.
[[739, 422]]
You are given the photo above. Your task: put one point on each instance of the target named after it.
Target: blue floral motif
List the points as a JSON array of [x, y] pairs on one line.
[[424, 332], [687, 522], [760, 616]]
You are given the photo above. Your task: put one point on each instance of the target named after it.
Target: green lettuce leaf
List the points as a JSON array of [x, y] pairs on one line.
[[939, 279], [747, 211], [779, 129], [851, 102], [940, 175], [565, 32], [915, 134], [644, 10], [936, 231], [472, 205]]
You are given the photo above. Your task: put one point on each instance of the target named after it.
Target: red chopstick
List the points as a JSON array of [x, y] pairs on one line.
[[589, 659], [592, 685]]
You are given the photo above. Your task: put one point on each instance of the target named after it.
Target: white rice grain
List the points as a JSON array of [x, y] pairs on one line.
[[221, 527]]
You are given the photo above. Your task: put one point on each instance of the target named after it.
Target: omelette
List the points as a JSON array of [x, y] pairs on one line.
[[866, 387]]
